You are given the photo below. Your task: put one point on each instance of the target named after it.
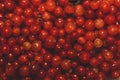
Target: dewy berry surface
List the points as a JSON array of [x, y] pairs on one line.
[[59, 39]]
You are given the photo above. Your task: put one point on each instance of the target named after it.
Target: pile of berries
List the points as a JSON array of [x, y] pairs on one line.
[[59, 39]]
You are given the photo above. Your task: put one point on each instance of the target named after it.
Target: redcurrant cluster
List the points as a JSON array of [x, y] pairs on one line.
[[59, 39]]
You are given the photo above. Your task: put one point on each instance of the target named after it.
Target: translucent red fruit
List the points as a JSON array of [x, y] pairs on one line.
[[24, 71], [10, 71], [89, 25], [6, 31], [79, 10], [109, 19], [50, 5], [66, 64], [84, 57], [94, 62], [36, 2], [58, 11], [60, 77], [63, 2], [70, 27], [115, 74], [117, 3], [69, 9], [36, 46], [9, 4], [104, 7], [50, 42], [99, 23], [81, 70], [94, 5], [17, 20], [112, 30], [105, 67], [23, 59], [24, 3], [56, 60]]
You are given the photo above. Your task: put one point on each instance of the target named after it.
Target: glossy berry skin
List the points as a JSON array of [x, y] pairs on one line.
[[90, 75], [9, 4], [50, 42], [59, 39], [114, 64], [75, 77], [112, 30], [81, 70], [60, 77], [98, 43], [2, 61], [56, 60], [69, 9], [80, 21], [18, 10], [47, 57], [2, 7], [24, 71], [5, 49], [29, 21], [70, 27], [34, 29], [59, 22], [99, 23], [9, 71], [81, 40], [11, 57], [84, 57], [31, 37], [101, 75], [16, 64], [89, 25], [48, 25], [66, 64], [41, 73], [23, 59], [105, 7], [24, 3], [108, 56], [109, 19], [71, 54], [89, 14], [47, 78], [34, 68], [79, 11], [63, 2], [90, 35], [115, 74], [36, 46], [94, 62], [46, 16], [36, 2], [117, 3], [94, 5], [58, 11], [16, 31], [16, 50], [6, 31], [17, 20], [28, 12], [50, 5], [104, 67], [54, 32], [102, 33], [27, 45]]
